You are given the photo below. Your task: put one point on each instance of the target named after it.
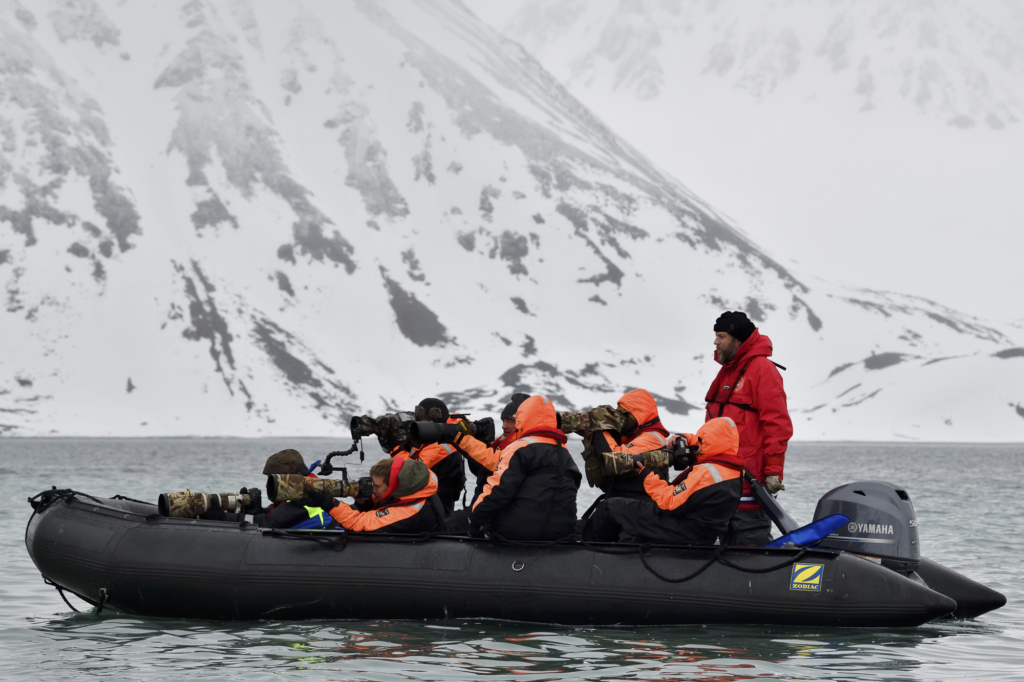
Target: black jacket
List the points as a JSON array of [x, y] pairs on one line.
[[535, 497]]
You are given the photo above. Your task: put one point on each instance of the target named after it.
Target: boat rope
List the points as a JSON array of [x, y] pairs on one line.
[[659, 576], [60, 591], [129, 499]]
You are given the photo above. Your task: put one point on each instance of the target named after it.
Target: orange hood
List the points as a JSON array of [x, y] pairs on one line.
[[536, 413], [719, 438], [640, 404]]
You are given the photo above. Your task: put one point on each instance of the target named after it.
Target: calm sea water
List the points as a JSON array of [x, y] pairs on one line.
[[967, 500]]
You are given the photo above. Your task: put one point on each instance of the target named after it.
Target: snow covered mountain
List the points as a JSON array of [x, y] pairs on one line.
[[250, 217], [892, 129]]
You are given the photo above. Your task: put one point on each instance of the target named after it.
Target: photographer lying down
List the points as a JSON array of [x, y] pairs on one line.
[[247, 505], [404, 500], [694, 509]]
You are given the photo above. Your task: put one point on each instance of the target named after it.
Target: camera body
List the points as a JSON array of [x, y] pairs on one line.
[[684, 456], [363, 488], [424, 433]]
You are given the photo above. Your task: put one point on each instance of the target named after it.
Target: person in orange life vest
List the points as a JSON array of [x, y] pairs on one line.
[[404, 500], [643, 433], [483, 458], [694, 509], [443, 459], [749, 389], [532, 493]]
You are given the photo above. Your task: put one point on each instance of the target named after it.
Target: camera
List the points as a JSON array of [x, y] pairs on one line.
[[362, 489], [423, 433], [391, 429], [684, 456]]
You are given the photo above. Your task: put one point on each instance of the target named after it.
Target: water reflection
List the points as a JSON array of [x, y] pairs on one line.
[[470, 649]]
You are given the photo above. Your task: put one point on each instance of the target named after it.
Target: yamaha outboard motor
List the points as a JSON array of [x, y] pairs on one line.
[[882, 523]]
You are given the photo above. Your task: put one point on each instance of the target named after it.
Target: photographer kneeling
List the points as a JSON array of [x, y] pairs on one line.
[[404, 500], [695, 509]]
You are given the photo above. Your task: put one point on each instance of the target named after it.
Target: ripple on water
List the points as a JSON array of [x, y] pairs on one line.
[[970, 529]]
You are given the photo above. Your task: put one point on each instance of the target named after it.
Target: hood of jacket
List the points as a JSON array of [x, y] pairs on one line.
[[413, 481], [757, 344], [536, 413], [640, 404], [720, 438]]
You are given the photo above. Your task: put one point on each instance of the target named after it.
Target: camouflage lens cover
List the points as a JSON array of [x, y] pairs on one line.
[[285, 487], [601, 418], [363, 426], [190, 505]]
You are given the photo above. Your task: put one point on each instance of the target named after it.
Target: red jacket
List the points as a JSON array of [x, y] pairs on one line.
[[749, 389]]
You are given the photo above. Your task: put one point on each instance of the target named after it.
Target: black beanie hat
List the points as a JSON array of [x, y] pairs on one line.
[[433, 409], [735, 323], [510, 410]]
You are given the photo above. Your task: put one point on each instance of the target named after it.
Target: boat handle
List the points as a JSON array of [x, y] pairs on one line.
[[518, 565]]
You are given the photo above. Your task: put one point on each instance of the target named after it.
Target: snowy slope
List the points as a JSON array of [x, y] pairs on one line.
[[253, 217], [893, 129]]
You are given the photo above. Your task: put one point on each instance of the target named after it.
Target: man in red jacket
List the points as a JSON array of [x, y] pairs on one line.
[[749, 389]]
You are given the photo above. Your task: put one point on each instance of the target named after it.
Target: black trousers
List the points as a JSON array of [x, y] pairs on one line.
[[749, 528], [631, 520]]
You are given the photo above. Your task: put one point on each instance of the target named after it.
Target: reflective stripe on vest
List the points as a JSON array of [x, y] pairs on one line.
[[448, 448], [315, 512], [661, 439], [529, 439], [713, 471]]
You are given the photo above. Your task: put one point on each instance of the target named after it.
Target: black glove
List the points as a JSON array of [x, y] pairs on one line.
[[322, 500], [475, 528], [255, 500]]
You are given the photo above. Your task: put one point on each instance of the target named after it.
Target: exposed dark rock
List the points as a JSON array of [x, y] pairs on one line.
[[579, 221], [520, 305], [514, 248], [423, 165], [755, 311], [25, 18], [414, 272], [529, 347], [416, 321], [839, 369], [294, 369], [855, 386], [486, 207], [1010, 353], [597, 299], [538, 218], [131, 386], [1019, 410], [5, 256], [83, 20], [883, 360], [284, 284], [862, 399], [415, 124], [467, 240], [99, 273], [286, 253], [206, 321], [212, 212], [79, 250], [107, 248], [23, 382]]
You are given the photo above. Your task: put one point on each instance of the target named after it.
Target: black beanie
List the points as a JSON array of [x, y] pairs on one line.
[[735, 323], [510, 410], [433, 409]]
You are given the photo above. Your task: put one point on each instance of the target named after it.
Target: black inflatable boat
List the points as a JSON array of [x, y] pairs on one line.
[[121, 554]]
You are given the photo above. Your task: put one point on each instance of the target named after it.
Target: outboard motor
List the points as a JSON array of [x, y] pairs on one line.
[[882, 523]]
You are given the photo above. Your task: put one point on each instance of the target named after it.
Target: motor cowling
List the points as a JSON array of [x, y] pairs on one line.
[[882, 524]]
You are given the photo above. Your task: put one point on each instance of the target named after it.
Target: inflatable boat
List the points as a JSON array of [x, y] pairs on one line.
[[122, 554]]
